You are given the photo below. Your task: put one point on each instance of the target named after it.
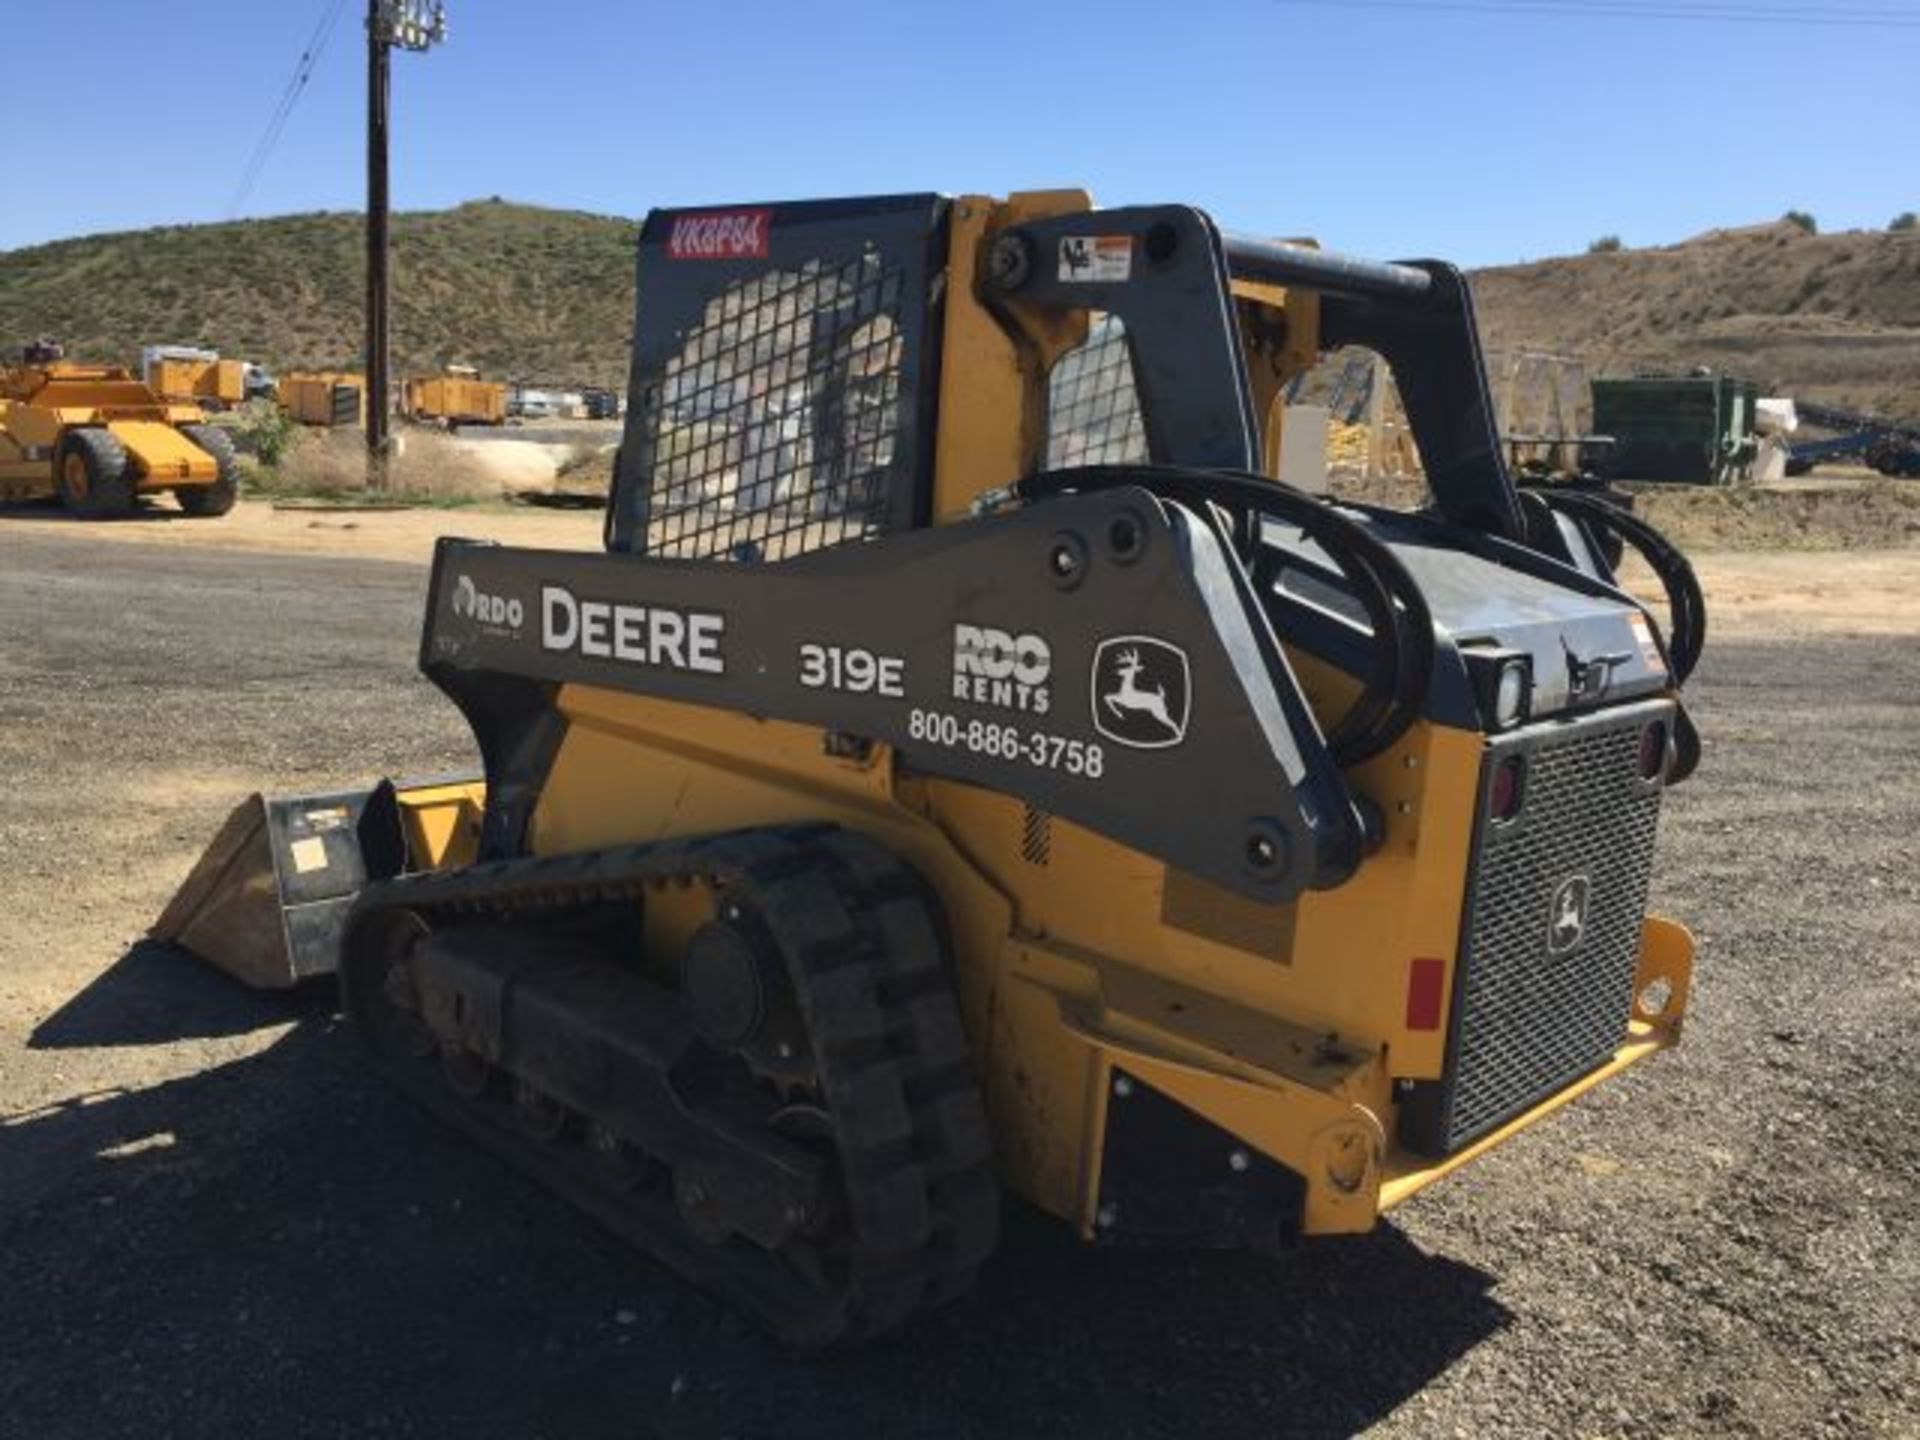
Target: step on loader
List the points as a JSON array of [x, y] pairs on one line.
[[968, 770], [98, 438]]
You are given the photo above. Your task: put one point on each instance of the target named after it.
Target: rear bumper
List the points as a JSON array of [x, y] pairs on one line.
[[1666, 959], [1264, 1157]]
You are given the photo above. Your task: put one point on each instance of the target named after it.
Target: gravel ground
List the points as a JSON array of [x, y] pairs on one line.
[[211, 1221]]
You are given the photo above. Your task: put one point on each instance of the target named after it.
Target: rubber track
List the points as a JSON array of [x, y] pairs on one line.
[[865, 947]]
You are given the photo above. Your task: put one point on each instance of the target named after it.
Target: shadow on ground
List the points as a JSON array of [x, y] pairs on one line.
[[157, 992], [146, 507], [281, 1243]]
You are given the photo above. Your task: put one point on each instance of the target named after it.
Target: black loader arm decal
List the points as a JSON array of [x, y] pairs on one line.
[[1090, 654]]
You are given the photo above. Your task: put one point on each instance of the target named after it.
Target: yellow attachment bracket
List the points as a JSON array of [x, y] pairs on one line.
[[993, 370], [441, 822]]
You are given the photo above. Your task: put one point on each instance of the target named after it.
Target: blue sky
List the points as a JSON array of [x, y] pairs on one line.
[[1406, 128]]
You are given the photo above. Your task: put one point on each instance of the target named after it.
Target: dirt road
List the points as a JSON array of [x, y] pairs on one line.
[[258, 526], [211, 1221], [1872, 591]]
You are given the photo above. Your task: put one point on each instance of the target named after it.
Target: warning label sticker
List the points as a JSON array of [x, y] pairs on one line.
[[1096, 258], [1643, 636], [308, 855]]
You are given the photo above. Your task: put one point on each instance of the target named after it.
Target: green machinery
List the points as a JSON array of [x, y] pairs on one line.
[[1693, 429]]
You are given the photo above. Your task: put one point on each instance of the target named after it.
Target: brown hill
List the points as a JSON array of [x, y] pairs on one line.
[[520, 291], [531, 293], [1827, 317]]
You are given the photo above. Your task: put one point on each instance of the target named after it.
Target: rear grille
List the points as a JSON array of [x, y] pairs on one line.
[[1531, 1011]]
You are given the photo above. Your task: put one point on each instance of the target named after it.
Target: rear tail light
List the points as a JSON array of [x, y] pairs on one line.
[[1426, 983], [1504, 792]]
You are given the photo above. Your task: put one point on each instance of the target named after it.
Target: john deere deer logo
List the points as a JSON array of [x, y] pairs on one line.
[[1140, 691], [1568, 920]]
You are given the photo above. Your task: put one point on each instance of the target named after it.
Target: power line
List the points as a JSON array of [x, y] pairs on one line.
[[283, 110], [1697, 11]]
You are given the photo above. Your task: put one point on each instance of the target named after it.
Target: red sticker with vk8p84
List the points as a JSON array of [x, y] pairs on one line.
[[719, 235]]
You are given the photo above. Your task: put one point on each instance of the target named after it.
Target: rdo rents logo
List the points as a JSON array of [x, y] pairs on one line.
[[493, 612], [994, 667]]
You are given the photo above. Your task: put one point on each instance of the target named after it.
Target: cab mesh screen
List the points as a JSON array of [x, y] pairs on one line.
[[776, 428], [1093, 405]]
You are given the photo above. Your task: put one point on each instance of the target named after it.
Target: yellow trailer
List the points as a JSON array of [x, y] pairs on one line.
[[455, 399], [219, 384], [326, 398], [98, 438]]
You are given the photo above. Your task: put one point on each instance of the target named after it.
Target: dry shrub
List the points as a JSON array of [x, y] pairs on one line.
[[588, 470], [431, 466], [427, 466], [320, 462], [1396, 492]]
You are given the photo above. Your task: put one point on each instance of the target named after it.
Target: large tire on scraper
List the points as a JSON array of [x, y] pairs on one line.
[[91, 472], [207, 501]]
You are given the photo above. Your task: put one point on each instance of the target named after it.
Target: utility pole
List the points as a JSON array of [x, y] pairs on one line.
[[412, 25]]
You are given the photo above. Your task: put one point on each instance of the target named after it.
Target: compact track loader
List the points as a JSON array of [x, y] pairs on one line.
[[967, 769], [98, 438]]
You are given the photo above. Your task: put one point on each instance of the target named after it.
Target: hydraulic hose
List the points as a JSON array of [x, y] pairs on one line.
[[1394, 689], [1686, 634]]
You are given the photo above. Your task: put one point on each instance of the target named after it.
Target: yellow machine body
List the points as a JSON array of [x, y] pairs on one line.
[[41, 404], [746, 958], [1101, 957], [1284, 1025]]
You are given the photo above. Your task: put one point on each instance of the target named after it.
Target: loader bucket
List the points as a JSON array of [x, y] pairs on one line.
[[269, 898]]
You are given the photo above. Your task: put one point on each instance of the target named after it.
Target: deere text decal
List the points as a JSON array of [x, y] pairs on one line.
[[638, 634]]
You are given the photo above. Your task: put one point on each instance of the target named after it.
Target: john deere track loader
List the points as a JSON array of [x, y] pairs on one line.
[[98, 438], [967, 769]]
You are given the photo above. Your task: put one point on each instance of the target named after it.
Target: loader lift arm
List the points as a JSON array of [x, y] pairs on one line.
[[1243, 790]]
